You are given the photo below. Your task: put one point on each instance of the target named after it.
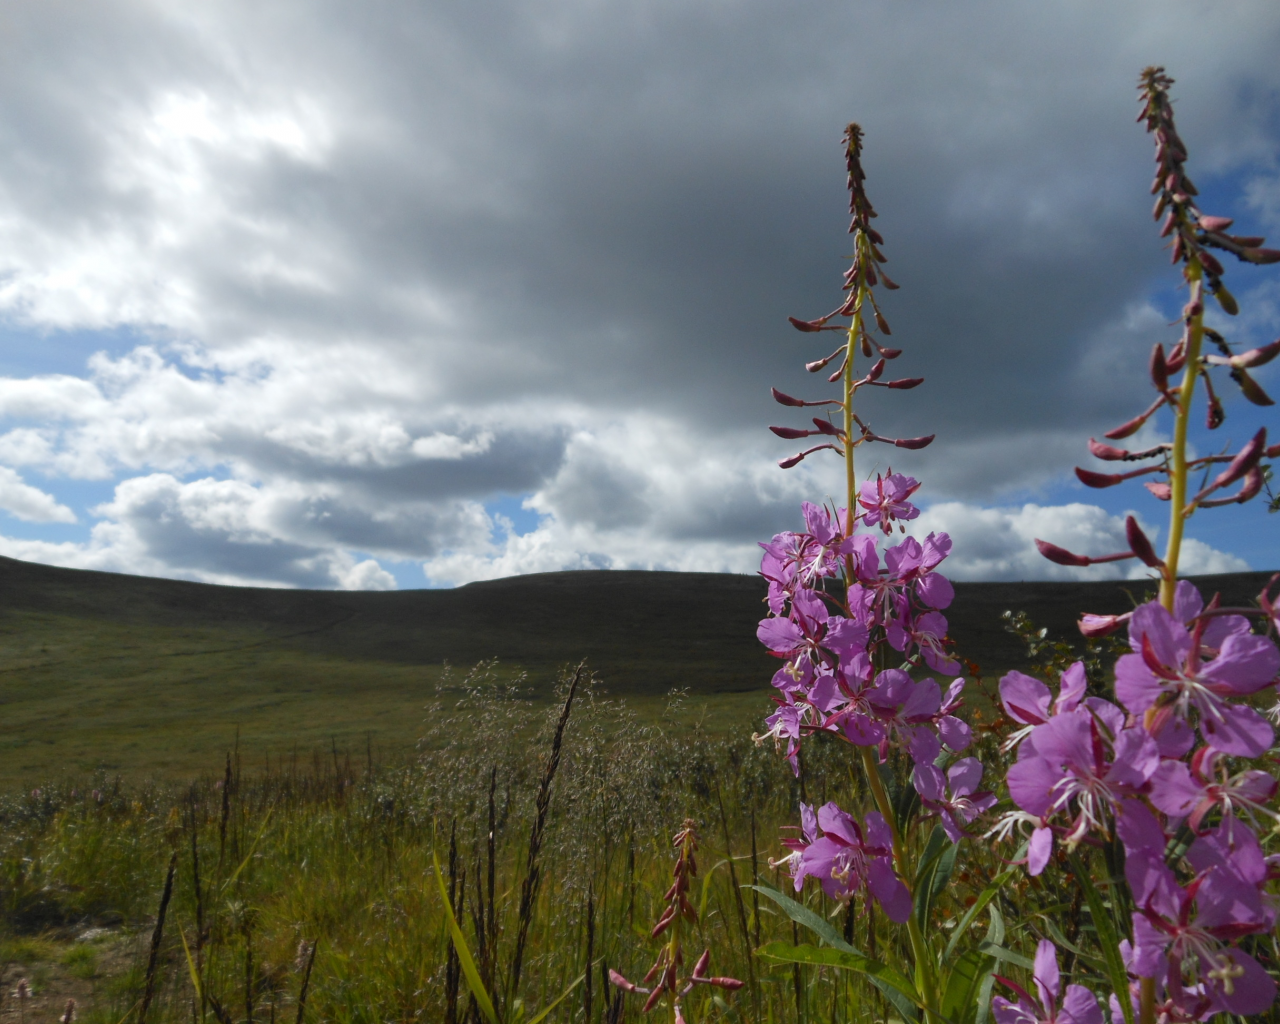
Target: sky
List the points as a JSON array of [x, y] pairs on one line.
[[400, 294]]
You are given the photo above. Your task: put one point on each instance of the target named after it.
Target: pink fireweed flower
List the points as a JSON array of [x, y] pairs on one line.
[[1079, 765], [1029, 703], [885, 500], [1079, 1006], [954, 799], [925, 632], [915, 714], [847, 857], [811, 630], [1192, 790], [1174, 673]]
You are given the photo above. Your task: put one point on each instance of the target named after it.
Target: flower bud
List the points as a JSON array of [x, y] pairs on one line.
[[1162, 491], [1247, 241], [905, 383], [878, 368], [782, 398], [1140, 545], [882, 323], [1261, 255], [1059, 555], [1208, 223], [1257, 356], [791, 433], [1092, 479], [824, 427], [809, 326], [1159, 368], [1106, 452], [1250, 389], [1095, 626], [888, 283], [704, 961], [1170, 219], [617, 979], [914, 443], [1244, 461]]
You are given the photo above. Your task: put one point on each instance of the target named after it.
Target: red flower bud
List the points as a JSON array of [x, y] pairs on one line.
[[1159, 368], [1101, 625], [791, 433], [1060, 555], [1215, 223], [914, 443], [809, 326], [905, 383], [617, 979], [1226, 300], [882, 323], [1250, 389], [1092, 479], [1106, 452], [1244, 461], [825, 427], [887, 283], [1140, 545], [1257, 356], [1162, 491], [1261, 255]]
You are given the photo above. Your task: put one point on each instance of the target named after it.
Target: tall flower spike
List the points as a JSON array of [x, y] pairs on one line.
[[1193, 234], [664, 975]]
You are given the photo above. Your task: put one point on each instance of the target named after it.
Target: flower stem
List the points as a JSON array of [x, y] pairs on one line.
[[855, 329], [919, 953], [1182, 418], [1147, 1001]]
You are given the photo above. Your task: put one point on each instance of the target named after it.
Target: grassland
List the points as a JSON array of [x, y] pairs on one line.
[[157, 678]]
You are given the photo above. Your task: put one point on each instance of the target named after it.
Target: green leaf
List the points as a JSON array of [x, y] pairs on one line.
[[802, 915], [805, 954], [988, 894], [934, 872], [1000, 953], [1108, 937], [560, 999], [465, 959], [963, 1001]]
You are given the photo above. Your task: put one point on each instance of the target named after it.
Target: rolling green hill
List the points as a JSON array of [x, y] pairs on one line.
[[145, 675]]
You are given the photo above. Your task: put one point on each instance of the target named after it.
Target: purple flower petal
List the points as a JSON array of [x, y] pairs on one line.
[[1039, 849], [1080, 1006], [888, 888], [1240, 731], [1046, 976], [1025, 700]]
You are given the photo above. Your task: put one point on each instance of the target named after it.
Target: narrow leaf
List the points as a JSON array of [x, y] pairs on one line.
[[465, 960], [1108, 938], [988, 894], [1000, 953], [560, 999], [805, 954]]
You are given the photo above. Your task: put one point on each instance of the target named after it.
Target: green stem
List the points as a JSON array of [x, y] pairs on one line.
[[919, 952], [1147, 1001], [855, 329], [1182, 418]]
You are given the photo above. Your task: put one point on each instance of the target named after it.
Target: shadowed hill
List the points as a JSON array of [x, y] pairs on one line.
[[643, 632], [150, 677]]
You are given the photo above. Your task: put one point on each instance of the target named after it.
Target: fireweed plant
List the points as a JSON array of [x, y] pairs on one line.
[[1166, 782], [850, 628]]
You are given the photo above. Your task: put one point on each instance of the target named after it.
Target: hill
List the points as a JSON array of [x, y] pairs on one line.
[[140, 674]]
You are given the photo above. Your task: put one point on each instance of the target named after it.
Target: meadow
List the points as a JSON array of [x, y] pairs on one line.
[[304, 862]]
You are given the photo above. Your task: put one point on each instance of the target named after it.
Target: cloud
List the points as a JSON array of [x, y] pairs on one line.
[[999, 543], [374, 274], [28, 503]]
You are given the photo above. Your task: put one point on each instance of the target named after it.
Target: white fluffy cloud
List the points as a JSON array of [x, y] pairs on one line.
[[30, 503]]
